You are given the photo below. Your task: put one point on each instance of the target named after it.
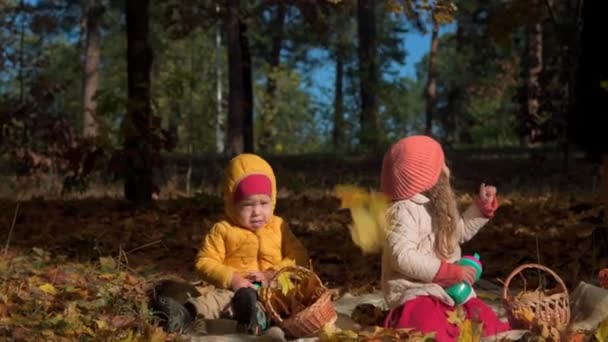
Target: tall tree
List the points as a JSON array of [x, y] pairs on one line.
[[267, 136], [139, 123], [240, 91], [92, 53], [431, 86], [531, 92], [369, 76]]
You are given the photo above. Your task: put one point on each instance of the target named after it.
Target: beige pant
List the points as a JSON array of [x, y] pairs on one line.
[[213, 303]]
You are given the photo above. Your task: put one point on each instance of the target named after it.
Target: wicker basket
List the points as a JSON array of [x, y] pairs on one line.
[[534, 308], [306, 310]]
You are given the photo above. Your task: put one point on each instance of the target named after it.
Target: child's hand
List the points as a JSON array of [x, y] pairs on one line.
[[487, 201], [487, 194], [450, 274], [238, 282], [467, 274], [259, 277]]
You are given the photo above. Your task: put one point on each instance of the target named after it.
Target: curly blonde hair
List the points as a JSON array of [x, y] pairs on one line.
[[444, 216]]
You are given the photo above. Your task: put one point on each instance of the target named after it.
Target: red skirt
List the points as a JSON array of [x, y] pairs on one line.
[[428, 314]]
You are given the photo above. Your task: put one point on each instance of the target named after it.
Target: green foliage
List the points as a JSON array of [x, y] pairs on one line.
[[294, 128]]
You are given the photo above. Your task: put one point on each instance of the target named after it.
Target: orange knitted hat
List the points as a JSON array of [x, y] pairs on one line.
[[412, 165]]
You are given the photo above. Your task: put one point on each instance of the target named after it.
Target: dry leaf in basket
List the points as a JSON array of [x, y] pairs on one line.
[[530, 296], [524, 314]]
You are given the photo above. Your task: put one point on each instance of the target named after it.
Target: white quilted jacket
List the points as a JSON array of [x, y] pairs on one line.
[[409, 262]]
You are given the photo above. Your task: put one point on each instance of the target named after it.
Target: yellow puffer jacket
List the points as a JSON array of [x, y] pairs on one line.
[[228, 248]]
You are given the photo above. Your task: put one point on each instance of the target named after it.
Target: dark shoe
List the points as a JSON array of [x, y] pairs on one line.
[[174, 315]]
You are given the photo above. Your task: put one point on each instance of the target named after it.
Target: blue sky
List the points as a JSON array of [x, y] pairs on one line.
[[416, 44]]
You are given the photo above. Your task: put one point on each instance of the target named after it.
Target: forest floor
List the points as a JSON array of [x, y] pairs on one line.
[[80, 267]]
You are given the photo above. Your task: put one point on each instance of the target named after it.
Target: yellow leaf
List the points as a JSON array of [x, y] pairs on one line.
[[351, 196], [285, 283], [3, 265], [48, 288], [457, 316], [367, 210], [108, 264], [102, 324], [129, 337], [601, 334], [158, 335], [468, 332], [525, 314]]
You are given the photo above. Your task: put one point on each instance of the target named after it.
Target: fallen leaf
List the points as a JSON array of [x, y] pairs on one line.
[[48, 288], [456, 316], [108, 264], [102, 324], [158, 335], [3, 265], [120, 321], [469, 332], [601, 333]]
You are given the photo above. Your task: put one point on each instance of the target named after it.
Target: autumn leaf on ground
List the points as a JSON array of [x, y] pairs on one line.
[[601, 333], [48, 289]]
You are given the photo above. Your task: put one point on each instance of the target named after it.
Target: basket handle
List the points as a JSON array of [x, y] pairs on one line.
[[505, 290]]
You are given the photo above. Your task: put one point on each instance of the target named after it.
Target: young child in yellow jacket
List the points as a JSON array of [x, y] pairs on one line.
[[246, 247]]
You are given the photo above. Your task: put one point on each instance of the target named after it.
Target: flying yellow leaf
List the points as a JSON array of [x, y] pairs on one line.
[[367, 210], [285, 283], [48, 288], [351, 196], [601, 333]]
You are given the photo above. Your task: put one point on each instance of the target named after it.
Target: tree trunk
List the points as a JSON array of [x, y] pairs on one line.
[[431, 85], [267, 137], [22, 54], [368, 69], [219, 125], [533, 64], [247, 91], [91, 64], [240, 91], [139, 152]]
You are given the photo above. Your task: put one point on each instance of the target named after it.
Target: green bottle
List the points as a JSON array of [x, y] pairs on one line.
[[461, 291]]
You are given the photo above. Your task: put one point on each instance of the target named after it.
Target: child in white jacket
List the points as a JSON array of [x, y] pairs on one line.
[[423, 240]]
